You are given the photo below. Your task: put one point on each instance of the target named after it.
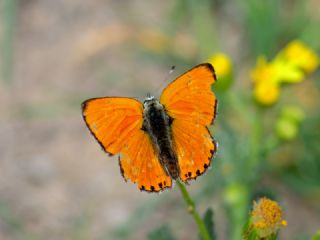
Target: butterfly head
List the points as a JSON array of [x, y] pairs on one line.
[[149, 99], [151, 102]]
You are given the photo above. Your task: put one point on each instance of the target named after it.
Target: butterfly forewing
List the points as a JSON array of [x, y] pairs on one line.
[[191, 104], [189, 97], [112, 120]]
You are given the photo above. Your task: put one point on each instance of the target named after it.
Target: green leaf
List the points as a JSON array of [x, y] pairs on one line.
[[209, 222], [161, 233]]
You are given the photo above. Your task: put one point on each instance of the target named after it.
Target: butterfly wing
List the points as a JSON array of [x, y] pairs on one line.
[[116, 123], [140, 164], [191, 104]]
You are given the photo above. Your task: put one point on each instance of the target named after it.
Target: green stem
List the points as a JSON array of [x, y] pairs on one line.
[[192, 210], [256, 135]]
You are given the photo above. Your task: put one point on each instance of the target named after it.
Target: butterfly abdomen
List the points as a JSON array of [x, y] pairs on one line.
[[157, 125]]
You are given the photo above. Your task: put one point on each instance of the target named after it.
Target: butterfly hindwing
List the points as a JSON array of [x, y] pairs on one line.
[[140, 164], [194, 147], [116, 123], [191, 104]]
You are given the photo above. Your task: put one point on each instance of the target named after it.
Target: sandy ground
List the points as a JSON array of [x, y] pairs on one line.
[[55, 180]]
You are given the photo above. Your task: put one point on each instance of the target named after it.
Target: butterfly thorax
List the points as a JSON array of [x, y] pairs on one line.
[[157, 125]]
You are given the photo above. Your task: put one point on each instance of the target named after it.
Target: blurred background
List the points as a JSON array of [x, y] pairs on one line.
[[56, 182]]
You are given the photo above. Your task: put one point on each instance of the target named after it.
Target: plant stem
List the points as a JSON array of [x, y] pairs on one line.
[[192, 210]]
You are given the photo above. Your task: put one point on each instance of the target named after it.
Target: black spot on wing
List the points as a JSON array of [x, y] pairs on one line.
[[152, 189]]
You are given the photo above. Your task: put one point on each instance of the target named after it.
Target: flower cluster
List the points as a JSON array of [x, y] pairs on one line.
[[289, 66]]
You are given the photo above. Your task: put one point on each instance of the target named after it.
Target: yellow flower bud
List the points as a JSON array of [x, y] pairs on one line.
[[286, 129], [288, 123], [293, 113]]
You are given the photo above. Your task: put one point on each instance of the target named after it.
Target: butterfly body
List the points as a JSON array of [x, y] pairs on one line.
[[159, 140], [157, 125]]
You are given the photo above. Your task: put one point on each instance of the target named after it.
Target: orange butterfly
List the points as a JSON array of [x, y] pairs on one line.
[[160, 141]]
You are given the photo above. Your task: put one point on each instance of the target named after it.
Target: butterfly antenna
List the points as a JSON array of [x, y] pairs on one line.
[[165, 80]]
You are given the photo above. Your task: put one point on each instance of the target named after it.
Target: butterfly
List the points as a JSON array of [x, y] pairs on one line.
[[159, 140]]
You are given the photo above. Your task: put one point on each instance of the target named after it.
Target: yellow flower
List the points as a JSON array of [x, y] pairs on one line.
[[301, 56], [221, 63], [289, 66], [265, 78], [276, 71], [263, 71], [266, 92], [266, 217]]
